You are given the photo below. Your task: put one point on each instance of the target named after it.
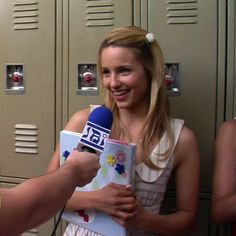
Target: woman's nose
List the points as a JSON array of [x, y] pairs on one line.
[[115, 82]]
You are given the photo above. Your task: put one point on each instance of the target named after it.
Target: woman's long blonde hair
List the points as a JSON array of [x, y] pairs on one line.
[[150, 55]]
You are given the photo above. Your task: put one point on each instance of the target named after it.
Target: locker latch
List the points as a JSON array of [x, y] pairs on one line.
[[15, 79], [87, 79], [172, 79]]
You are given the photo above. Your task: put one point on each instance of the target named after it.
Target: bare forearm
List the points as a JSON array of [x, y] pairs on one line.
[[34, 201], [51, 194], [111, 199], [223, 210], [82, 200], [172, 224]]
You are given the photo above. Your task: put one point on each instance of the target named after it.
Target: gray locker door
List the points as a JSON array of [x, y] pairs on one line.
[[86, 30], [187, 33], [231, 61], [27, 86]]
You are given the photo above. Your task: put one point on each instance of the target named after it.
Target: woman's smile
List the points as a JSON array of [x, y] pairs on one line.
[[120, 95]]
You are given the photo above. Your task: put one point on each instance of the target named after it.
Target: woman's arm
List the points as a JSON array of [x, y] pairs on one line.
[[187, 182], [75, 124], [224, 175], [111, 199]]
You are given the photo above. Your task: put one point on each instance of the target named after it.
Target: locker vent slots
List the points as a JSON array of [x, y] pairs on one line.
[[25, 14], [182, 11], [26, 138], [99, 13]]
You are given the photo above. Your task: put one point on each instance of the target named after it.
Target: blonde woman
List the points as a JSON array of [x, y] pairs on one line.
[[131, 69]]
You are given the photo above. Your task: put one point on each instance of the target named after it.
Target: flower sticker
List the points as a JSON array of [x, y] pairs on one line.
[[65, 154], [120, 168], [117, 160], [111, 161], [120, 157]]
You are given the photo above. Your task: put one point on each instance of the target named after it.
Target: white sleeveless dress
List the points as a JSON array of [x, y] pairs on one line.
[[149, 185]]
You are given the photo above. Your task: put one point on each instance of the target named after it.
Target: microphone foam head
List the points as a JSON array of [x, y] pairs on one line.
[[101, 116]]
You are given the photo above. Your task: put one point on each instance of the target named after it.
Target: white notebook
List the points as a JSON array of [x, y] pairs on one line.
[[117, 166]]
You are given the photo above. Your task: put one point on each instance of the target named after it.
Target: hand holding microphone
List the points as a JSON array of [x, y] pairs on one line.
[[93, 140], [85, 166]]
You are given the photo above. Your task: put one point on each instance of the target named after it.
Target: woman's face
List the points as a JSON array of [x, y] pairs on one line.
[[124, 77]]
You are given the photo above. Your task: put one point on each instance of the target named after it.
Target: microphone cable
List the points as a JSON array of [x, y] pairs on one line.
[[58, 221]]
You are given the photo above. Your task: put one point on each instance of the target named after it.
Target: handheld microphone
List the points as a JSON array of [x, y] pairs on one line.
[[93, 138], [96, 131]]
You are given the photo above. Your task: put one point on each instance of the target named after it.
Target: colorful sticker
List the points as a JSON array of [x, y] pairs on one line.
[[117, 161]]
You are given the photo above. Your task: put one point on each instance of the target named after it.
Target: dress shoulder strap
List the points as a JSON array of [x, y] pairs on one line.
[[150, 175]]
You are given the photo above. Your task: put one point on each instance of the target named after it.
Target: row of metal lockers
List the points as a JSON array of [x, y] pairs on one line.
[[48, 52]]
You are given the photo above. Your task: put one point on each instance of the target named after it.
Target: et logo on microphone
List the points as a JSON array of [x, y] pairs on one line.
[[94, 136]]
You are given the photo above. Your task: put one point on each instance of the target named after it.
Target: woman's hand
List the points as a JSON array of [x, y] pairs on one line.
[[118, 201], [131, 219]]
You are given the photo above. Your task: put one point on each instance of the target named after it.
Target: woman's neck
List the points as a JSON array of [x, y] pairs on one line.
[[133, 124]]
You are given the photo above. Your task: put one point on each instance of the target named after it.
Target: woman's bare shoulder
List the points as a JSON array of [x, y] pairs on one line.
[[226, 134], [187, 136], [78, 120], [187, 144], [81, 115], [228, 126]]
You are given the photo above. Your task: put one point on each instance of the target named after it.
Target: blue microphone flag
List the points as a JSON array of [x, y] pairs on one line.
[[97, 129]]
